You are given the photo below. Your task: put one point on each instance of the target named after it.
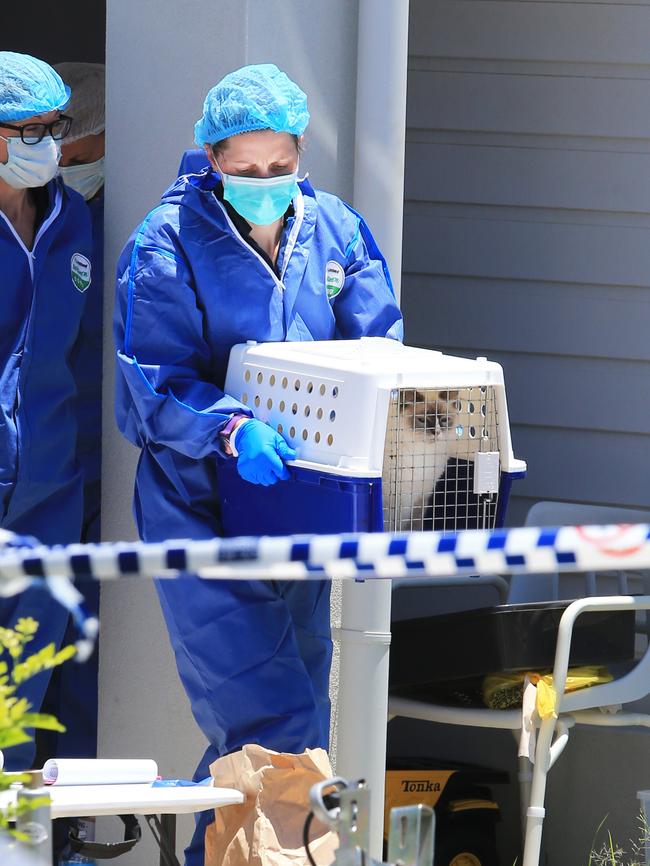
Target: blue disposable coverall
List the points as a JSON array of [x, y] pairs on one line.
[[72, 695], [193, 161], [254, 657], [41, 484], [89, 362]]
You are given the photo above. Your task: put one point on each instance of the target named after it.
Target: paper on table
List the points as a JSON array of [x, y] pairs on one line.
[[100, 771]]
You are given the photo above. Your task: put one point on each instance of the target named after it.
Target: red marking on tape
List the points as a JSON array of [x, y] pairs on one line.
[[616, 541]]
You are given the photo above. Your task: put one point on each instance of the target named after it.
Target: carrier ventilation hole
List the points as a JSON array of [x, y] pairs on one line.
[[282, 406], [294, 409], [280, 428], [307, 411], [483, 409], [319, 413], [330, 439], [332, 415], [247, 376], [260, 378], [317, 436], [292, 432], [472, 432], [305, 435], [244, 398], [484, 433], [285, 382], [271, 380], [257, 400], [322, 390], [335, 392], [269, 403], [471, 408], [296, 384], [310, 387]]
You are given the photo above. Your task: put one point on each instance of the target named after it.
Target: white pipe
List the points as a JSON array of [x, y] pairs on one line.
[[380, 134], [363, 693]]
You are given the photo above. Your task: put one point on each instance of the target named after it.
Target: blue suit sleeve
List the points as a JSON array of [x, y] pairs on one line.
[[164, 390], [366, 307]]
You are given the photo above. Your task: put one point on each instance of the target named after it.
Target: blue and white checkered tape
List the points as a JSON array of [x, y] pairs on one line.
[[351, 556]]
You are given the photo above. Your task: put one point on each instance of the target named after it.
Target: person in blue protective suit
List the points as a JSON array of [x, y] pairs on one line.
[[72, 693], [82, 168], [193, 161], [45, 260], [242, 250]]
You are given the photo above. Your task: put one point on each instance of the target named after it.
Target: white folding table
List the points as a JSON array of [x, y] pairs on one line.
[[76, 801]]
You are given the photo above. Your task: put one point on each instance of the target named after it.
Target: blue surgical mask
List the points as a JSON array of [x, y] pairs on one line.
[[30, 165], [87, 179], [260, 200]]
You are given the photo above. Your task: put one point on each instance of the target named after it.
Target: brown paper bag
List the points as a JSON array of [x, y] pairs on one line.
[[266, 830]]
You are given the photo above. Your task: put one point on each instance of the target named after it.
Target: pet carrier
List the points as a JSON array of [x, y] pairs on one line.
[[425, 434], [387, 438]]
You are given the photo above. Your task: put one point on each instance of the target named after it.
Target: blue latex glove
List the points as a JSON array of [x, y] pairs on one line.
[[261, 454]]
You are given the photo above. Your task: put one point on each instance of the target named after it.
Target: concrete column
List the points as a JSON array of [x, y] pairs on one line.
[[161, 59]]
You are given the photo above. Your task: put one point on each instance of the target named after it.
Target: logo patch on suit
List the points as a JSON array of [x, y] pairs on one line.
[[334, 278], [80, 272]]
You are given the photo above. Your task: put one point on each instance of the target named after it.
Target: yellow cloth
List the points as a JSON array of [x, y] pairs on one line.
[[503, 691]]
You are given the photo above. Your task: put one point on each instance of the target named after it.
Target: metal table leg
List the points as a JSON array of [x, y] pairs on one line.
[[163, 830]]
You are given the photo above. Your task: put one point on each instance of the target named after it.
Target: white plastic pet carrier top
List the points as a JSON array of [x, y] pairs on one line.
[[433, 427]]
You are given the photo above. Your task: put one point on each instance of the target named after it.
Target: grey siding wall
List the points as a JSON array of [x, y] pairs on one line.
[[526, 226], [526, 239]]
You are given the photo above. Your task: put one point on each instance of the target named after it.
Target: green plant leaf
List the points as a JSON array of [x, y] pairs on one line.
[[45, 659], [15, 715], [9, 779], [13, 737], [27, 626], [42, 721]]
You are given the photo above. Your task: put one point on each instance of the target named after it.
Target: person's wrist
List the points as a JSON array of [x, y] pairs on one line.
[[232, 440], [227, 434]]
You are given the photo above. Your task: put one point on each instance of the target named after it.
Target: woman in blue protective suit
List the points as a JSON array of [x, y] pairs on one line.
[[45, 263], [236, 252]]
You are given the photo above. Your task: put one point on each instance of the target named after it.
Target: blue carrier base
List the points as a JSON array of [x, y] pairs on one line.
[[319, 502], [310, 502]]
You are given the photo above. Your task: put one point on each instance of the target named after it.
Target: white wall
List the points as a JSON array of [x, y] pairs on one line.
[[161, 58]]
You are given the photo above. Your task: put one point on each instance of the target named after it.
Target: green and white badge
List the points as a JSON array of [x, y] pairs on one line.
[[80, 271], [334, 278]]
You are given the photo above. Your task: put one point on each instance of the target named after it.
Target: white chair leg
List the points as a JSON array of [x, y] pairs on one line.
[[535, 812], [525, 778]]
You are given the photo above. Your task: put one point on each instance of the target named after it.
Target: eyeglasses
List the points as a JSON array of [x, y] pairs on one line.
[[32, 133]]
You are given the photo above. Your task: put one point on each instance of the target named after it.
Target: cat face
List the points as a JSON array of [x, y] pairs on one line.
[[431, 413]]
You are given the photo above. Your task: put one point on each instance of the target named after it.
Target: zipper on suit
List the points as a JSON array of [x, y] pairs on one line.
[[299, 205]]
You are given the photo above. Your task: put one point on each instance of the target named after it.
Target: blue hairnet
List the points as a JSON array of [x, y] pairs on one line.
[[29, 86], [253, 97]]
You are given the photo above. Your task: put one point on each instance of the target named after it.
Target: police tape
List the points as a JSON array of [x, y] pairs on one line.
[[347, 556]]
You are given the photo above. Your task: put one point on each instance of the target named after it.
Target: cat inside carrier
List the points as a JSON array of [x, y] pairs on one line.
[[441, 462], [387, 436]]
